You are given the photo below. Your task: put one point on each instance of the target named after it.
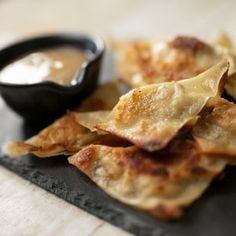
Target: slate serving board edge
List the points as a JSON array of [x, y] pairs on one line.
[[54, 186]]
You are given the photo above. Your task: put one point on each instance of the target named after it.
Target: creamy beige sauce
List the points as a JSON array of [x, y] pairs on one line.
[[59, 65]]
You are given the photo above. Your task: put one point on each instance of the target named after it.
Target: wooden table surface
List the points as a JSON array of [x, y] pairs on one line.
[[25, 209]]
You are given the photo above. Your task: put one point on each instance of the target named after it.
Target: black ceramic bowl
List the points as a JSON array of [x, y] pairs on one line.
[[44, 101]]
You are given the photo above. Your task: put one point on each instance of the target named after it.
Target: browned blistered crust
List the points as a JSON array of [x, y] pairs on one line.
[[157, 164], [180, 58], [66, 135], [87, 157], [62, 136], [161, 71], [215, 131], [65, 131], [191, 44], [151, 116], [162, 183]]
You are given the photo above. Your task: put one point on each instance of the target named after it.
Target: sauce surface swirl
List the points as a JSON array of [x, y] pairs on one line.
[[59, 64]]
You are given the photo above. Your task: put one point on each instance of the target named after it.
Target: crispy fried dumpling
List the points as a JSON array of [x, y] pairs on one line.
[[66, 135], [146, 62], [104, 97], [91, 119], [215, 131], [224, 41], [230, 86], [150, 116], [162, 183]]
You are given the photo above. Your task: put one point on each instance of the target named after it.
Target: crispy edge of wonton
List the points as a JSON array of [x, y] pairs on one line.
[[224, 40], [225, 45], [161, 183], [104, 97], [128, 119], [66, 135], [230, 86], [215, 130], [135, 59]]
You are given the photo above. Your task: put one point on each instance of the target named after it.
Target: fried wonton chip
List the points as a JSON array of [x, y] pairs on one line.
[[225, 41], [161, 183], [216, 130], [91, 119], [151, 116], [146, 62], [230, 86], [66, 135], [104, 97]]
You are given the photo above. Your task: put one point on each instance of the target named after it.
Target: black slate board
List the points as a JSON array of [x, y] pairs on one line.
[[214, 214]]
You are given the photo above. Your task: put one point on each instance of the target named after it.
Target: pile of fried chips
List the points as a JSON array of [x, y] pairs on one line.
[[159, 146]]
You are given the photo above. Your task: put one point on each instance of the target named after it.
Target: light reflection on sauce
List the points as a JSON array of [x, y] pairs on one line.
[[59, 65]]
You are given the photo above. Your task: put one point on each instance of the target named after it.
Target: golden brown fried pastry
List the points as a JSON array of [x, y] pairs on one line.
[[230, 86], [224, 41], [146, 62], [66, 135], [104, 97], [162, 183], [151, 116], [215, 131], [91, 119]]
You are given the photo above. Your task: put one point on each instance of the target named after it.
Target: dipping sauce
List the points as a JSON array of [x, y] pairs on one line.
[[59, 64]]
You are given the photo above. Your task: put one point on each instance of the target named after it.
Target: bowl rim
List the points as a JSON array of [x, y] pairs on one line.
[[61, 38]]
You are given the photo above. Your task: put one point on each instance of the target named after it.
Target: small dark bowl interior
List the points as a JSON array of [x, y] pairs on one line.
[[42, 102]]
